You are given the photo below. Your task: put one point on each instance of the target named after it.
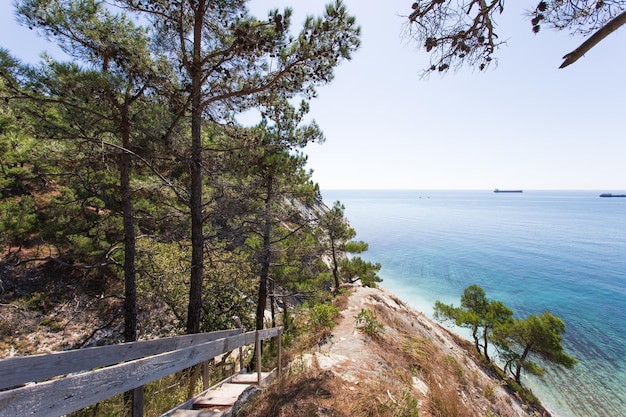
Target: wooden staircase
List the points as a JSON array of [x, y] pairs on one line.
[[218, 401]]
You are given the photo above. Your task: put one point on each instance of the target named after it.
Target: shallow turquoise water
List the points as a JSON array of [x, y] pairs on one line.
[[561, 251]]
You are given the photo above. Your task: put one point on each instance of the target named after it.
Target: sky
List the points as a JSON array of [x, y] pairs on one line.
[[523, 124]]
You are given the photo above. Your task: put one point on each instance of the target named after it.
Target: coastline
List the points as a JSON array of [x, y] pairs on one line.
[[442, 365], [560, 251], [383, 357], [453, 335]]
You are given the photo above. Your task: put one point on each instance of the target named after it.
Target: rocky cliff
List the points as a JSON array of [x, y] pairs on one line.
[[389, 361]]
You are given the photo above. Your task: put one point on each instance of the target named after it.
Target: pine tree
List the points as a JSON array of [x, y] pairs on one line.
[[227, 61]]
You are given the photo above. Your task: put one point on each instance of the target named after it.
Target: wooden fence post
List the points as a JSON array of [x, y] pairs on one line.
[[205, 375], [280, 352], [258, 342], [241, 360], [137, 395]]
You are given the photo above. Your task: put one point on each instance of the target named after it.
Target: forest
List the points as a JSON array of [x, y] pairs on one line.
[[133, 202]]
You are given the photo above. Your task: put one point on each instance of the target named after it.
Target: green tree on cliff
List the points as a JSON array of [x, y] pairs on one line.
[[538, 335], [337, 239], [481, 315], [355, 268]]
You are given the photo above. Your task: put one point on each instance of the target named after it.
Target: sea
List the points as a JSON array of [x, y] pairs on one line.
[[557, 251]]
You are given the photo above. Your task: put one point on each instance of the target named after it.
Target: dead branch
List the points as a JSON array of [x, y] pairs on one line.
[[594, 39]]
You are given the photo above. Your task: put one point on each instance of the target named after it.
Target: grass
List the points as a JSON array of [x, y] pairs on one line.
[[443, 375], [313, 392]]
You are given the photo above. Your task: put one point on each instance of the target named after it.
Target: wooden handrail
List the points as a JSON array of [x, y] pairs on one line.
[[74, 392], [36, 368]]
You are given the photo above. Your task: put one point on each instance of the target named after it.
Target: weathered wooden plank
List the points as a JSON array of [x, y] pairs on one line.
[[225, 395], [267, 333], [20, 370], [62, 396], [197, 413], [249, 379]]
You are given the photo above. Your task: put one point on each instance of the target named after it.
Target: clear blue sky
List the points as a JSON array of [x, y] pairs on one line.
[[521, 124]]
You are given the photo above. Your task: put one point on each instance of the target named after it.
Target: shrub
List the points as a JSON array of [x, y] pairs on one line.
[[322, 316], [367, 321]]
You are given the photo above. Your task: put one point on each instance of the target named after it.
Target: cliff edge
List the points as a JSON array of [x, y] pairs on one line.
[[394, 361]]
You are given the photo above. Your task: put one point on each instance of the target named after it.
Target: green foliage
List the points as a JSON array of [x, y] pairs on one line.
[[322, 316], [229, 285], [18, 220], [526, 395], [355, 246], [15, 180], [337, 235], [52, 324], [367, 322], [538, 335], [78, 227], [356, 268], [121, 107], [336, 227], [476, 312], [39, 301]]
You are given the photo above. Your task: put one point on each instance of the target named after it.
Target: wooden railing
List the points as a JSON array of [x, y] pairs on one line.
[[84, 377]]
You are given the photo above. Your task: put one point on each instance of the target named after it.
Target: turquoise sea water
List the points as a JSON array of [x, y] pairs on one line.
[[561, 251]]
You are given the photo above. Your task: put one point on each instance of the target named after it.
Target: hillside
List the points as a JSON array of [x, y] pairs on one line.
[[409, 367]]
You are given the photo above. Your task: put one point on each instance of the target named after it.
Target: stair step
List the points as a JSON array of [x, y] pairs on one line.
[[225, 395], [249, 378], [197, 413]]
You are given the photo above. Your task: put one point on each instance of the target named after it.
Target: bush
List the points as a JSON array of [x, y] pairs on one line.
[[367, 321], [322, 316]]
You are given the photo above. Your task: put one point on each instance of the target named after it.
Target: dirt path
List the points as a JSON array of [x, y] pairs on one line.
[[347, 352]]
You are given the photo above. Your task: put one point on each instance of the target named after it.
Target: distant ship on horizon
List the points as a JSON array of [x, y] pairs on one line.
[[497, 190], [612, 195]]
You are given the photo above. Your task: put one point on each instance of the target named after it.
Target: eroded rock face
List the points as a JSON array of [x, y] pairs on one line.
[[412, 354]]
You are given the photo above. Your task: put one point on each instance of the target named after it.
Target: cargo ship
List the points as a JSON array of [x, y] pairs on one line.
[[507, 191], [612, 195]]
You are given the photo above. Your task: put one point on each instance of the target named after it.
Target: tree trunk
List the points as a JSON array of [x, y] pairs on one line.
[[335, 266], [265, 258], [262, 299], [475, 337], [135, 397], [485, 344], [273, 302], [130, 283], [197, 241], [520, 361]]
